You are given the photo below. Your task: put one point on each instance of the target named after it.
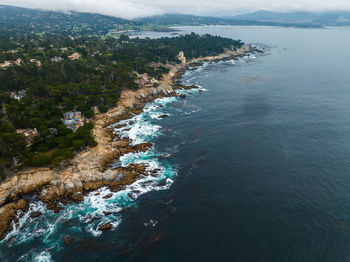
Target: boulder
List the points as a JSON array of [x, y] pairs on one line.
[[35, 214], [163, 116], [78, 196], [120, 126], [69, 186], [105, 227], [108, 196]]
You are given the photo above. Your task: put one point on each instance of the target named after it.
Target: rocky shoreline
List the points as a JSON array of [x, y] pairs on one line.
[[91, 168]]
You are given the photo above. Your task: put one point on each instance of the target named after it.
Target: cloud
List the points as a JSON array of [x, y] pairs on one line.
[[118, 8], [139, 8]]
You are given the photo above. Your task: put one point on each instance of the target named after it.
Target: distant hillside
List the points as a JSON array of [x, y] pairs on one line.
[[19, 19], [25, 20], [334, 18], [182, 19]]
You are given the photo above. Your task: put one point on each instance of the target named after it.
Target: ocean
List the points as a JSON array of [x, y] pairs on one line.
[[255, 167]]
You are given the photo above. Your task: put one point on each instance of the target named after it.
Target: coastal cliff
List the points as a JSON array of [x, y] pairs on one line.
[[91, 168]]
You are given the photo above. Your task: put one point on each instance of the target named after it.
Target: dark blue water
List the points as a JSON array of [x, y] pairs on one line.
[[262, 161]]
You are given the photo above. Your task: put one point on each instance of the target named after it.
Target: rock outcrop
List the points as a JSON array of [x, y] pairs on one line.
[[67, 241], [105, 227], [35, 214], [7, 214]]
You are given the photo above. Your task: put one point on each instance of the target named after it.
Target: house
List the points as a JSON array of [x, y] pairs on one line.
[[29, 134], [53, 131], [74, 56], [5, 64], [73, 120], [181, 57], [9, 63], [57, 59], [18, 61], [145, 80], [3, 108], [19, 95], [38, 62], [10, 51]]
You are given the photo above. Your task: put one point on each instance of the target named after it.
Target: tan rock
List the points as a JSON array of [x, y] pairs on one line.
[[105, 227]]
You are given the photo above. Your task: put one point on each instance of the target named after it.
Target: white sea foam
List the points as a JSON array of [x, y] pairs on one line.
[[142, 132], [192, 91], [249, 57], [44, 256], [21, 231], [192, 111], [151, 223]]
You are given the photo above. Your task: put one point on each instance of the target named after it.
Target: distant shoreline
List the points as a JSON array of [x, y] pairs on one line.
[[90, 169]]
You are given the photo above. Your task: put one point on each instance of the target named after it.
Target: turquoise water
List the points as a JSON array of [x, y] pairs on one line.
[[256, 168]]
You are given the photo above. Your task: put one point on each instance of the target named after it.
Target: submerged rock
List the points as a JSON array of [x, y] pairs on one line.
[[182, 96], [10, 240], [153, 239], [125, 249], [67, 240]]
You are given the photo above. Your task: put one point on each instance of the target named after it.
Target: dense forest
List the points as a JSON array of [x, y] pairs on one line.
[[47, 82]]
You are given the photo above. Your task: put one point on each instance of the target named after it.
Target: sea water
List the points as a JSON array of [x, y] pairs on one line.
[[255, 168]]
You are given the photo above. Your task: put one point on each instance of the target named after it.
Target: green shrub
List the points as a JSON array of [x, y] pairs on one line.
[[79, 144], [2, 175], [40, 160], [102, 108]]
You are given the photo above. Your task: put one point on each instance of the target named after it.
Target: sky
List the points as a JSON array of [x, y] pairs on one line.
[[140, 8]]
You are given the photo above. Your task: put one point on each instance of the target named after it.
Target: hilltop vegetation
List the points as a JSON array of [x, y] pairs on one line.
[[74, 24], [24, 20]]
